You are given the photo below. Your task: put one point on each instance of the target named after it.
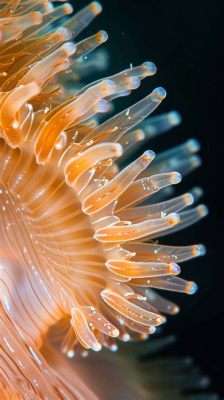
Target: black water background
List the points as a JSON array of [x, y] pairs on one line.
[[184, 39]]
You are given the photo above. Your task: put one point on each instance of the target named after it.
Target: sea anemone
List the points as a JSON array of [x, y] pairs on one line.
[[79, 257]]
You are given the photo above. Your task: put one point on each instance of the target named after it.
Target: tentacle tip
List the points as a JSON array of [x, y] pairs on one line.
[[84, 354], [191, 288], [96, 7], [203, 210], [188, 199], [118, 150], [173, 219], [63, 33], [175, 309], [68, 9], [144, 336], [97, 347], [174, 269], [48, 7], [196, 161], [197, 192], [70, 354], [175, 178], [140, 135], [125, 337], [193, 145], [102, 36], [148, 155], [174, 118], [159, 93], [114, 347], [199, 250], [149, 68], [115, 333], [69, 48], [152, 329], [37, 18]]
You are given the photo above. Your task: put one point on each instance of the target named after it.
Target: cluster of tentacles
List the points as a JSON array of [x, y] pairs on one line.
[[78, 258]]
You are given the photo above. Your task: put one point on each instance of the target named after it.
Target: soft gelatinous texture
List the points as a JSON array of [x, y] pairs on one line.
[[75, 265]]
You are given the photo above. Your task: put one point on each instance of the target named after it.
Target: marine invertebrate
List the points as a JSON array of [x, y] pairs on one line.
[[76, 264]]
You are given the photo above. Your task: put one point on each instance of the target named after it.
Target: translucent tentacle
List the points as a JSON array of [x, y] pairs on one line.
[[67, 115], [127, 231], [86, 160], [87, 45], [172, 283], [132, 269], [154, 126], [118, 125], [138, 214], [146, 187], [9, 112], [160, 253], [83, 18], [113, 189], [189, 217], [130, 310]]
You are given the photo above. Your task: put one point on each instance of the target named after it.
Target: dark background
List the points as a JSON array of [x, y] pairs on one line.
[[184, 40]]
